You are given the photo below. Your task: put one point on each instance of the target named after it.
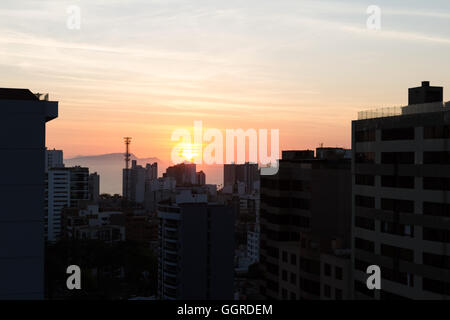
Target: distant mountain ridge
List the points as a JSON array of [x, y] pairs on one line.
[[112, 157], [109, 166]]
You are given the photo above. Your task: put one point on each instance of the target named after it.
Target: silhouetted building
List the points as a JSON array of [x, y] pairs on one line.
[[234, 174], [196, 249], [201, 178], [88, 223], [142, 229], [158, 189], [401, 192], [152, 171], [136, 182], [139, 180], [22, 154], [94, 187], [183, 173], [53, 159], [305, 227], [425, 94], [66, 186]]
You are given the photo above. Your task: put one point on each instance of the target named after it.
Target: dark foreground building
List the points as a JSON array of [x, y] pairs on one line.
[[196, 249], [401, 198], [22, 169], [305, 226]]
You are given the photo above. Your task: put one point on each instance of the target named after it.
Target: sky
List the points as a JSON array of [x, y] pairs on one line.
[[144, 68]]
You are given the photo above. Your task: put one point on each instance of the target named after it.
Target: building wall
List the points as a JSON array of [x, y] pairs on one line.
[[22, 163], [65, 188], [390, 194], [196, 252], [305, 211]]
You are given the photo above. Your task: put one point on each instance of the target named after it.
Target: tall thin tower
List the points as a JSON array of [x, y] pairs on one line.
[[127, 141]]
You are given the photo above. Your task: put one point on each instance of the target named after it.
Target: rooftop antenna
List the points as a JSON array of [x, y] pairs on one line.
[[127, 155]]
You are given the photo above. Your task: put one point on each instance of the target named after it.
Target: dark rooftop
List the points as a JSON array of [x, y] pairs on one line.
[[17, 94]]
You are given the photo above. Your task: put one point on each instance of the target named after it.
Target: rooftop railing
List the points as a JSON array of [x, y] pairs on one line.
[[405, 110]]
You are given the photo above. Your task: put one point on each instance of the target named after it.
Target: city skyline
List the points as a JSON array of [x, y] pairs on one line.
[[144, 69]]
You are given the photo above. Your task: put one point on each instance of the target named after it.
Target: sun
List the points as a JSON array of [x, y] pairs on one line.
[[189, 151]]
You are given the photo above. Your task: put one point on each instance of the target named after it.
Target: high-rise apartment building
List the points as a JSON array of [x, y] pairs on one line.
[[53, 159], [401, 192], [94, 187], [65, 188], [200, 178], [139, 181], [196, 249], [234, 174], [183, 173], [305, 226], [22, 187]]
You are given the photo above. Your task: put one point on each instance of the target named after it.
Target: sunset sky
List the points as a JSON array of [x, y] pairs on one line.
[[144, 68]]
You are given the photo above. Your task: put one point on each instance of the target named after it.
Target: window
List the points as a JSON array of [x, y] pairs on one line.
[[365, 245], [362, 288], [397, 228], [436, 157], [365, 179], [293, 296], [310, 286], [310, 266], [398, 276], [285, 256], [436, 132], [293, 278], [397, 157], [293, 259], [338, 273], [436, 183], [364, 223], [365, 135], [438, 235], [397, 182], [303, 243], [436, 209], [397, 252], [397, 205], [273, 286], [397, 134], [436, 260], [361, 265], [284, 275], [436, 286], [327, 270], [365, 157], [299, 203], [284, 294], [338, 294], [363, 201], [327, 291], [301, 185]]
